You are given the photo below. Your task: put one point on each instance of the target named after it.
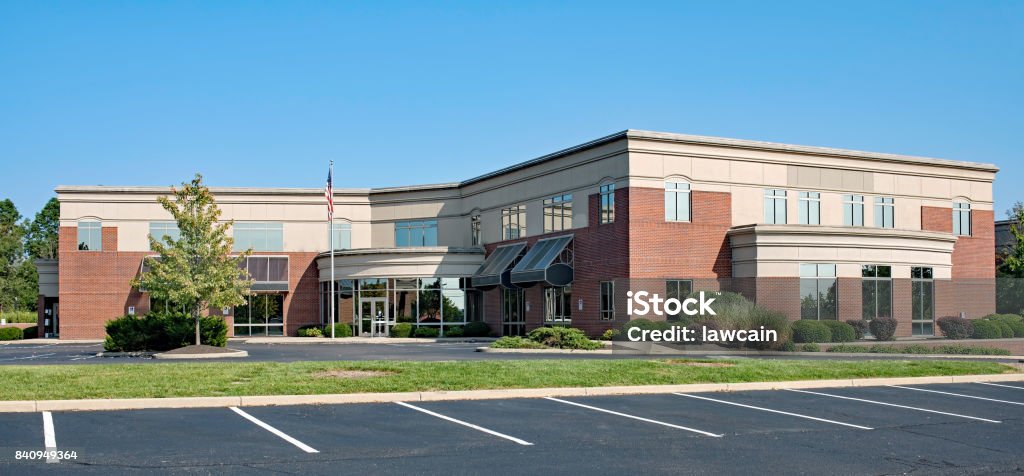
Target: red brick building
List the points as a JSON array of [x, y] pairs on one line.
[[816, 233]]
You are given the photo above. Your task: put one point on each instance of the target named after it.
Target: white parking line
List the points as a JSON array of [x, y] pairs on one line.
[[958, 395], [466, 424], [28, 357], [893, 405], [281, 434], [648, 420], [776, 411], [85, 358], [1000, 385], [49, 436]]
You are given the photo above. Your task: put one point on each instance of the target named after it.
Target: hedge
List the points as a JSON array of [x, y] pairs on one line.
[[811, 331], [30, 332], [11, 333], [159, 331], [310, 331], [1013, 321], [841, 331], [954, 327], [986, 329], [454, 331], [341, 329], [476, 329], [860, 327], [402, 329], [883, 328], [563, 338], [426, 332]]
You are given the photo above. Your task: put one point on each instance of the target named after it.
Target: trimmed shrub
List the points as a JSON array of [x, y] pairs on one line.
[[516, 343], [771, 320], [476, 329], [849, 349], [860, 327], [158, 331], [788, 346], [954, 327], [563, 338], [811, 331], [810, 347], [402, 329], [610, 334], [30, 332], [841, 331], [11, 333], [986, 329], [428, 332], [309, 331], [341, 329], [1005, 331], [455, 331], [957, 349], [127, 334], [883, 328], [1015, 322]]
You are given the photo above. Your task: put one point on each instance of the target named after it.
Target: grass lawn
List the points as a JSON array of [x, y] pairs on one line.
[[56, 382]]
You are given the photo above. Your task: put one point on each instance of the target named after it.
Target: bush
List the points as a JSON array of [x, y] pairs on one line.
[[841, 331], [402, 329], [309, 331], [1005, 331], [11, 333], [516, 343], [563, 338], [810, 347], [860, 327], [788, 346], [476, 329], [30, 332], [610, 334], [771, 320], [21, 317], [1015, 322], [986, 329], [883, 328], [455, 331], [957, 349], [954, 349], [811, 331], [341, 329], [955, 327], [849, 349], [428, 332], [159, 331]]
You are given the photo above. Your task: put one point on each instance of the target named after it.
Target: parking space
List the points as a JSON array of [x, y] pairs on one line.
[[957, 428]]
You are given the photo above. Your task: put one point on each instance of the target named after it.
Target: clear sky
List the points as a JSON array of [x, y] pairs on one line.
[[265, 93]]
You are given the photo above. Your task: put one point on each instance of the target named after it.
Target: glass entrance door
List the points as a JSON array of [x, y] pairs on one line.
[[374, 319]]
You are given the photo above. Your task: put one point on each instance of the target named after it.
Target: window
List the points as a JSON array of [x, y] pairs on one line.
[[474, 230], [876, 291], [558, 213], [810, 208], [513, 315], [884, 212], [90, 236], [513, 222], [677, 201], [818, 300], [775, 207], [415, 233], [342, 236], [261, 315], [677, 289], [922, 308], [161, 229], [607, 300], [608, 203], [853, 210], [558, 305], [259, 236], [961, 219], [267, 269]]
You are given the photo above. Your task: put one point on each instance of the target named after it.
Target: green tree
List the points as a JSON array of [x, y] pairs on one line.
[[1010, 272], [196, 270], [12, 257], [42, 239]]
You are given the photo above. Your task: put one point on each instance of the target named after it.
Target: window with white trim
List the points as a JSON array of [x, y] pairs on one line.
[[961, 219], [90, 235], [885, 212], [853, 210], [775, 207], [677, 201], [810, 208]]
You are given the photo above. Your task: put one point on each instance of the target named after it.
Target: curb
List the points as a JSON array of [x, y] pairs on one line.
[[362, 340], [218, 355], [726, 353], [24, 406]]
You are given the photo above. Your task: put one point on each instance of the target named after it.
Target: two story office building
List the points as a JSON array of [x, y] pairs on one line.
[[815, 233]]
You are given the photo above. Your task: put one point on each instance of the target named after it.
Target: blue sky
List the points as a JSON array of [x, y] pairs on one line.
[[398, 93]]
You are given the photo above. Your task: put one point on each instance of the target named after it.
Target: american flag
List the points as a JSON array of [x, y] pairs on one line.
[[329, 195]]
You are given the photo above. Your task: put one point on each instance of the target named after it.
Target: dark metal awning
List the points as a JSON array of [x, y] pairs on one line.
[[497, 265], [549, 261]]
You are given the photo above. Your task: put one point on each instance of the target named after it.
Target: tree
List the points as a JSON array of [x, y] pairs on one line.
[[196, 270], [12, 255], [1010, 285], [42, 235]]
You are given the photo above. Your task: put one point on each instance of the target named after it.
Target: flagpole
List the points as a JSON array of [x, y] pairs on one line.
[[330, 228]]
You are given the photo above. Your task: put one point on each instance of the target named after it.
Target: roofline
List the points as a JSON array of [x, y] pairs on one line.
[[622, 135]]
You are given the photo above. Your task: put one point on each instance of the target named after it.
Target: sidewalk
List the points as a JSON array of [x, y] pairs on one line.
[[24, 406], [359, 340]]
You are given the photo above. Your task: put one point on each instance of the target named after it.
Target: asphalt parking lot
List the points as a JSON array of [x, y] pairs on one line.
[[52, 353], [970, 428]]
